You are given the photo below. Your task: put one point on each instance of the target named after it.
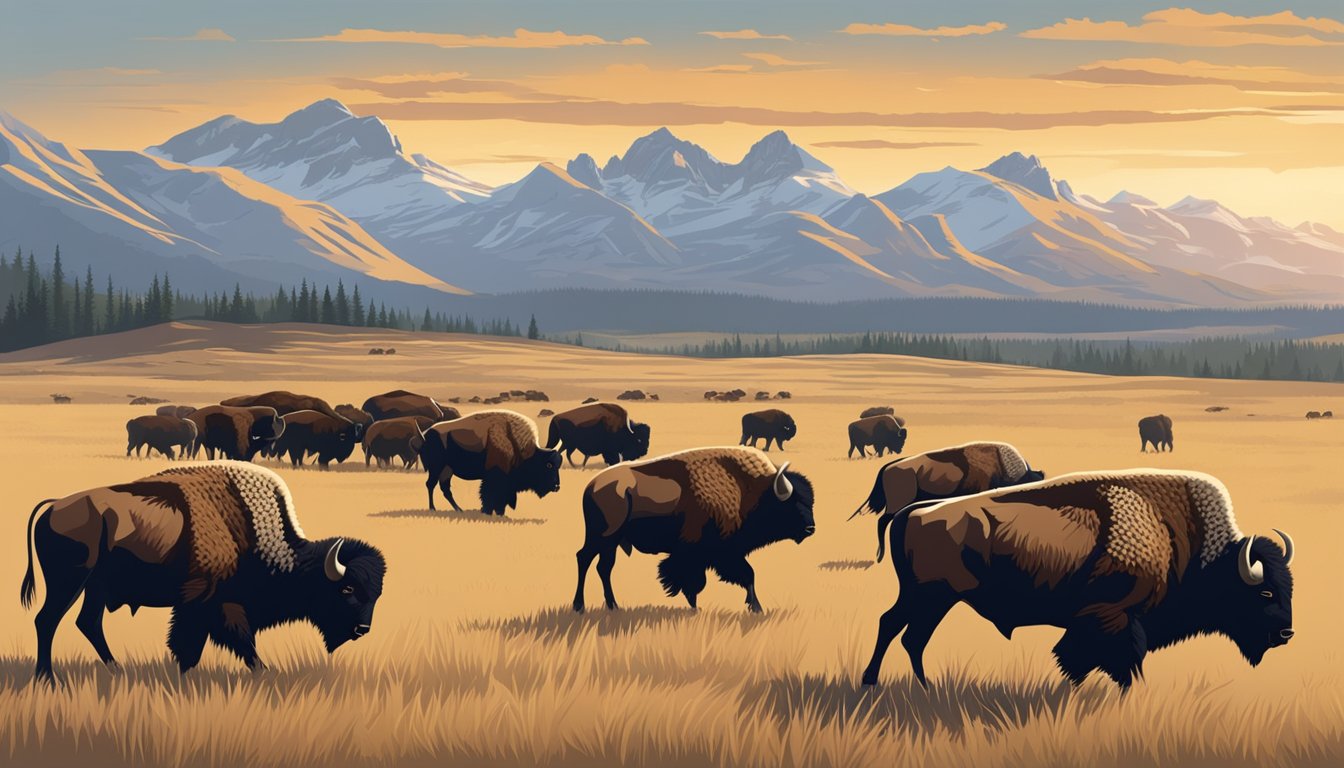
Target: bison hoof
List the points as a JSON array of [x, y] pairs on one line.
[[612, 606], [755, 608], [869, 680], [578, 606]]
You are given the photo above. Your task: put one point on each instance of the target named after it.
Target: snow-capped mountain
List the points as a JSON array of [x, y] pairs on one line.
[[323, 152], [207, 227]]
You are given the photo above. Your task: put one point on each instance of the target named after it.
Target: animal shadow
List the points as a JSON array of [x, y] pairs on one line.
[[845, 565], [567, 624], [453, 516]]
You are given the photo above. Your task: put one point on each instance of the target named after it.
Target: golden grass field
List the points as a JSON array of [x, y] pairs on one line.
[[475, 657]]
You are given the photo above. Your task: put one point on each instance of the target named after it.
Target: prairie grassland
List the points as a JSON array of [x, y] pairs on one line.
[[475, 658]]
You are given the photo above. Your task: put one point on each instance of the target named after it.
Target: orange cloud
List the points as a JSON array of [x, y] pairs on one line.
[[1186, 26], [745, 34], [521, 38], [424, 86], [211, 34], [779, 61], [721, 69], [885, 144], [1161, 72], [905, 30]]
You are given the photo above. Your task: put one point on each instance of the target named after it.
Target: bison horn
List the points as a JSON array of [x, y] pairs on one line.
[[332, 565], [1251, 573], [1287, 546], [628, 426], [783, 488]]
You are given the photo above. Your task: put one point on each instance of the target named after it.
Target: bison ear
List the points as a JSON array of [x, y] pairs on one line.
[[332, 564], [783, 488]]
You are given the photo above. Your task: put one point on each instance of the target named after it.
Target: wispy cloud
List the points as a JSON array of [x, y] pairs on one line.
[[210, 34], [745, 34], [735, 69], [774, 60], [1188, 27], [426, 85], [521, 38], [885, 144], [1163, 72], [905, 30]]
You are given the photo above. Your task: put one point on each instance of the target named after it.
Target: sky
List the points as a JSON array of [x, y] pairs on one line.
[[1238, 101]]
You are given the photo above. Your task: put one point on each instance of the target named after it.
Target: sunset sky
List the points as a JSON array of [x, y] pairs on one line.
[[1242, 101]]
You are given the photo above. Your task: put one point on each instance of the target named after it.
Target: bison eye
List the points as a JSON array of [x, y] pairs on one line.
[[347, 590], [1267, 595]]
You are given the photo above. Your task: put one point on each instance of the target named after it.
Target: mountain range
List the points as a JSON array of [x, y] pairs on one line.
[[327, 193]]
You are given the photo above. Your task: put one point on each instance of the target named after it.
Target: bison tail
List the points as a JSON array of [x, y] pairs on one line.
[[877, 498], [29, 586], [890, 517]]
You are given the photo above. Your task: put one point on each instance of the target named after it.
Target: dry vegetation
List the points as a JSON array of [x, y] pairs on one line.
[[474, 657]]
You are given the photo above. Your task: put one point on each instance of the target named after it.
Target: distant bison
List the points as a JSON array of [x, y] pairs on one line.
[[545, 412], [146, 400], [703, 508], [762, 395], [390, 351], [632, 394], [783, 395], [499, 448], [884, 433], [711, 394], [330, 438], [396, 438], [1313, 414], [285, 402], [219, 543], [1328, 415], [399, 403], [180, 411], [160, 433], [589, 400], [598, 429], [375, 350], [235, 433], [878, 410], [1155, 430], [1124, 562], [61, 399], [771, 424]]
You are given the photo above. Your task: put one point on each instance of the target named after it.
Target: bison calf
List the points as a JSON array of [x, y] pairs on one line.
[[770, 424], [706, 508], [396, 438]]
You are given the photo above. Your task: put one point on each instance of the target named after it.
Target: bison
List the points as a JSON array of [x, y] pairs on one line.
[[706, 508], [355, 415], [329, 437], [399, 403], [1126, 562], [180, 411], [884, 432], [396, 438], [944, 473], [235, 433], [603, 429], [218, 543], [771, 424], [1155, 430], [283, 402], [160, 433], [499, 448]]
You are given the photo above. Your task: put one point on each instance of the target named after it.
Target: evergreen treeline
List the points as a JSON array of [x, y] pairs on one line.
[[1221, 357], [46, 306]]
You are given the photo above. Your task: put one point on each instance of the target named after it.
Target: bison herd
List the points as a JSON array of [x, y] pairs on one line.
[[1125, 562]]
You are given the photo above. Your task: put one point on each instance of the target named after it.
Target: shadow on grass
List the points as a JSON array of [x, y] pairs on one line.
[[566, 623], [954, 702], [845, 565], [453, 516], [16, 673]]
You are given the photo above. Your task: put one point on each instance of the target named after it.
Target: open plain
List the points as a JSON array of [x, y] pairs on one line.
[[476, 657]]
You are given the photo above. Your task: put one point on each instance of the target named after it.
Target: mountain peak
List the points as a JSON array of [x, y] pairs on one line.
[[329, 108], [584, 170], [1125, 197], [1024, 171]]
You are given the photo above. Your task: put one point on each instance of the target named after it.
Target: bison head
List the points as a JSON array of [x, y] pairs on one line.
[[346, 579], [894, 438], [1031, 476], [635, 441], [540, 473], [786, 512], [787, 428], [1256, 610]]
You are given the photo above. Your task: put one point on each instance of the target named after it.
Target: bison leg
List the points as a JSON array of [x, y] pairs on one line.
[[926, 614], [1085, 646], [585, 461], [569, 454], [231, 631], [90, 623], [585, 556], [738, 571], [606, 560], [446, 485], [63, 588], [888, 627], [186, 636]]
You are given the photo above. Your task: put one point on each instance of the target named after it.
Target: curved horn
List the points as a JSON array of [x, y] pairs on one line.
[[332, 565], [783, 488], [1287, 546], [1251, 573], [628, 426]]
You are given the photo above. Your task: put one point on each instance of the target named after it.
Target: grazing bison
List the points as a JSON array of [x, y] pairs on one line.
[[703, 508], [499, 448], [399, 403], [599, 429], [632, 394], [160, 433], [878, 410], [884, 432], [1125, 562], [396, 438], [771, 424], [283, 402], [331, 438], [236, 433], [944, 473], [218, 543], [783, 395], [1155, 430], [355, 415], [180, 411]]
